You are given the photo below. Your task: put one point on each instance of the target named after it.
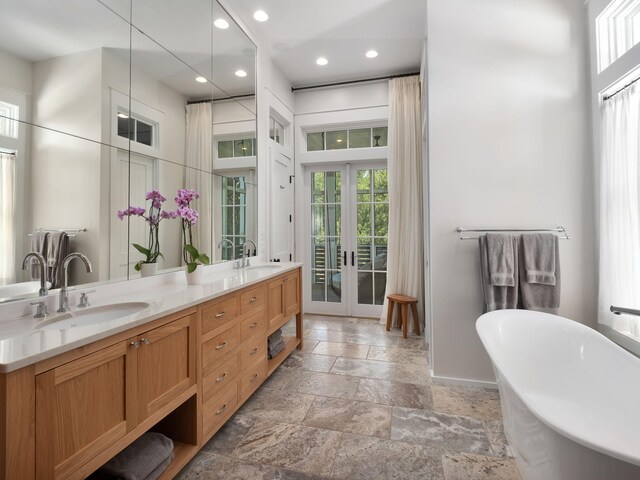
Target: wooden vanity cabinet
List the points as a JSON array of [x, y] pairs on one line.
[[183, 375], [86, 405]]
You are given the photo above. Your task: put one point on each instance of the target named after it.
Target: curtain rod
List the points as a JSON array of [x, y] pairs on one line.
[[607, 97], [231, 97], [350, 82]]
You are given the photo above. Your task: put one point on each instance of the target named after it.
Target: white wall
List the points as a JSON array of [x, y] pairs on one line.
[[509, 146]]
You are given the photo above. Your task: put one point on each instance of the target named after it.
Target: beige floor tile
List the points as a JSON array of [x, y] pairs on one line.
[[341, 350], [395, 393], [468, 401], [363, 368], [350, 416], [467, 466]]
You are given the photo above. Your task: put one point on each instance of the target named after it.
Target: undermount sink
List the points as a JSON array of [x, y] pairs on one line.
[[263, 267], [91, 316]]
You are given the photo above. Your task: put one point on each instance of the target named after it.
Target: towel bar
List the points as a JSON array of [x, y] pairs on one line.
[[562, 230]]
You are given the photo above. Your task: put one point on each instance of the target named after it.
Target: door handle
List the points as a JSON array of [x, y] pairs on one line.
[[345, 258], [353, 259]]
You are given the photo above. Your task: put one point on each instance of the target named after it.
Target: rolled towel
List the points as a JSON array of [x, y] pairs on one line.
[[276, 350], [275, 346], [539, 255], [502, 256], [275, 336], [145, 459]]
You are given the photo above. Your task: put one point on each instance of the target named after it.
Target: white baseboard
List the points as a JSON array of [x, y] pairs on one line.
[[462, 381]]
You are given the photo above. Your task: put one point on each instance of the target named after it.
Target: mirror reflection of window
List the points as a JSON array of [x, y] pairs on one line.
[[234, 216], [241, 147], [343, 139], [276, 131], [136, 129]]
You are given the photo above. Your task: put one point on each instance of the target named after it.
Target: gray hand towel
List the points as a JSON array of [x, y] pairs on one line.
[[142, 460], [502, 258], [57, 249], [38, 245], [538, 296], [539, 253], [497, 297]]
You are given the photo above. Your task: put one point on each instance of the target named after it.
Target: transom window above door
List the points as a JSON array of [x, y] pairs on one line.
[[347, 138], [137, 129]]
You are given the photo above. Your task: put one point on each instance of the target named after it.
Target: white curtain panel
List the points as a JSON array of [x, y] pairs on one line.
[[405, 248], [7, 212], [199, 143], [619, 280]]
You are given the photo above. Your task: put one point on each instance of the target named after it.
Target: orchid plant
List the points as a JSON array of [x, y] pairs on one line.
[[153, 218], [189, 216]]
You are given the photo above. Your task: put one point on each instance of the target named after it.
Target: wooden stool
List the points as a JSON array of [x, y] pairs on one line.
[[403, 301]]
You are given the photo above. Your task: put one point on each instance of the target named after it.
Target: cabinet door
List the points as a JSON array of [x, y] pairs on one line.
[[291, 294], [82, 407], [275, 302], [166, 364]]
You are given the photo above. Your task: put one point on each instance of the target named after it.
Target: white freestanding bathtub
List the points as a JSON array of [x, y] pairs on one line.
[[570, 397]]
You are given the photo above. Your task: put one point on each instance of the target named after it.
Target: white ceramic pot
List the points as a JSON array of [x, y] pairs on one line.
[[195, 277], [148, 269]]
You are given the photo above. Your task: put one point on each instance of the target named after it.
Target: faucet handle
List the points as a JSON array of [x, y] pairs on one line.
[[84, 299], [41, 312]]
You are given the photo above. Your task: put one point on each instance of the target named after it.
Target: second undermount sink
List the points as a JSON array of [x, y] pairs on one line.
[[91, 316]]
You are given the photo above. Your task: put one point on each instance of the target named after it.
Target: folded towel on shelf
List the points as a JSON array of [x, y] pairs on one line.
[[539, 296], [275, 336], [145, 459], [38, 245], [502, 258], [276, 349], [539, 255], [497, 297], [273, 345]]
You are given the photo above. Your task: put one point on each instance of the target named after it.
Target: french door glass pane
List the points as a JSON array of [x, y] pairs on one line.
[[372, 226], [326, 250]]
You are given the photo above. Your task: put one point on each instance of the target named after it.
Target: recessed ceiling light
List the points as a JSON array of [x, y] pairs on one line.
[[123, 115], [261, 16], [322, 61], [371, 54], [241, 73], [201, 80], [221, 23]]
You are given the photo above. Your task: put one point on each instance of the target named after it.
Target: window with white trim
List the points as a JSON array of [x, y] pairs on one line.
[[347, 138], [617, 31], [9, 116]]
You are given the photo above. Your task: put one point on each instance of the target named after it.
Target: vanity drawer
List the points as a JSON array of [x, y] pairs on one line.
[[219, 313], [219, 408], [220, 346], [253, 378], [255, 324], [252, 299], [252, 351], [219, 376]]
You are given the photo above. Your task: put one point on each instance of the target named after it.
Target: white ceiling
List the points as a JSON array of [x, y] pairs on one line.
[[299, 31]]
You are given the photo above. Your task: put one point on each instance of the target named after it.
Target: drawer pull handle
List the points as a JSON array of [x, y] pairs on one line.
[[145, 341], [253, 299], [222, 377], [134, 344], [253, 325], [222, 345], [253, 379], [221, 314], [221, 409], [254, 351]]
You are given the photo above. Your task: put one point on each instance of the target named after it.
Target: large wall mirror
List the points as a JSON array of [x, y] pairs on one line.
[[102, 101]]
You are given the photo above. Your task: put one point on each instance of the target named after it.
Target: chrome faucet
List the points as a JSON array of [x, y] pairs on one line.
[[233, 250], [246, 258], [43, 271], [64, 291]]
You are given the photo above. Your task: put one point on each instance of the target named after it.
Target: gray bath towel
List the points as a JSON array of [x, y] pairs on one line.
[[38, 245], [502, 256], [497, 297], [538, 296], [539, 254], [145, 459], [57, 249]]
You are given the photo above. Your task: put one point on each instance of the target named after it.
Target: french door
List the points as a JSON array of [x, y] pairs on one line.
[[346, 225]]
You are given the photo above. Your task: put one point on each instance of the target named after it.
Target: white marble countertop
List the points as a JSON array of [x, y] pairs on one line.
[[22, 343]]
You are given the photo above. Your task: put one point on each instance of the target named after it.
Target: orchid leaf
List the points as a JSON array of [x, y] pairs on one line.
[[204, 259], [145, 251], [191, 267], [192, 251]]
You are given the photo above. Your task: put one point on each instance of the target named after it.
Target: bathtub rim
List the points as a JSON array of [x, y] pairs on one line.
[[486, 318]]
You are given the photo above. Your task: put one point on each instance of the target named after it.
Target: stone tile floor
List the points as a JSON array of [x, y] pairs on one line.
[[357, 403]]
